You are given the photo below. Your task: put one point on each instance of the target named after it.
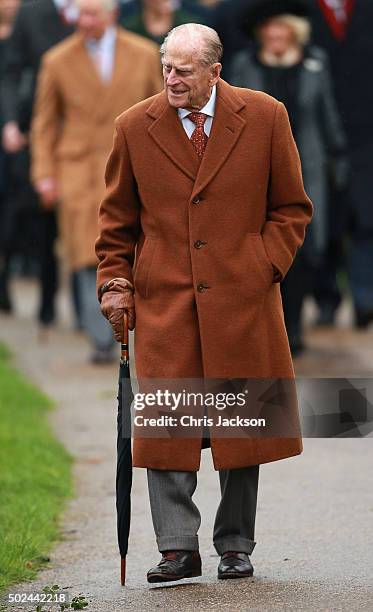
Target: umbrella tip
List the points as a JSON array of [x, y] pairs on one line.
[[123, 571]]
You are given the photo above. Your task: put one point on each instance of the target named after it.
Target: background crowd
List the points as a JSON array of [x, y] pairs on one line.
[[57, 113]]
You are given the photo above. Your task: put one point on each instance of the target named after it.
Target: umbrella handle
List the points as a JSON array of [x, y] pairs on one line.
[[124, 344], [123, 571]]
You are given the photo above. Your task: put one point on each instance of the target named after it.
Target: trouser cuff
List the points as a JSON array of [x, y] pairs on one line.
[[177, 543], [234, 543]]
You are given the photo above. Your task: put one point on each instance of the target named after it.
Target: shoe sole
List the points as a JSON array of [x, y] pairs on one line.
[[172, 577], [230, 575]]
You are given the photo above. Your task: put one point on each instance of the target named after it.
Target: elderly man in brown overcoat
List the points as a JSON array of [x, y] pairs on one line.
[[204, 211], [85, 82]]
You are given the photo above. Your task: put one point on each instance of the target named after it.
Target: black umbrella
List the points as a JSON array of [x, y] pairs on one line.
[[124, 452]]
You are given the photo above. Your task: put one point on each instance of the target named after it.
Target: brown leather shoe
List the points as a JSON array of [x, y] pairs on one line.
[[235, 565], [176, 565]]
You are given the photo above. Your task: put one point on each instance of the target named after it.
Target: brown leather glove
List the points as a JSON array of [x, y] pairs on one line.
[[115, 302]]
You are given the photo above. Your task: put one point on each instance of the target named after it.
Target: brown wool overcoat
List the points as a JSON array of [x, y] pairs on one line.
[[72, 128], [212, 310]]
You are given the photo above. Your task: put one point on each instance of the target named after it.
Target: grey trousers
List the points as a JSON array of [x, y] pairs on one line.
[[176, 518], [96, 326]]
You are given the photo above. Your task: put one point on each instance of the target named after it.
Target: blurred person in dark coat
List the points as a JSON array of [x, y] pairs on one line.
[[84, 84], [39, 25], [345, 29], [299, 77], [203, 8], [226, 21], [155, 18], [8, 11]]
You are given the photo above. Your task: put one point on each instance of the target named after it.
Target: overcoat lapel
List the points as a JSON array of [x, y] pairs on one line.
[[124, 60], [169, 134], [225, 132], [84, 66]]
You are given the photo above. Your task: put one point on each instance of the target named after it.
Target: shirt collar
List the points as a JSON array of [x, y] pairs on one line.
[[208, 109], [106, 41]]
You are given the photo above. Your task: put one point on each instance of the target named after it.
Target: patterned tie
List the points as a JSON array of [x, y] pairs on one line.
[[199, 138]]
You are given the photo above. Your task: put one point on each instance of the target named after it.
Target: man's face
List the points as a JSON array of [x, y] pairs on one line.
[[276, 36], [94, 19], [187, 81]]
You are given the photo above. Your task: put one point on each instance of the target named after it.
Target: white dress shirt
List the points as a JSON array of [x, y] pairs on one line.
[[208, 109], [102, 52]]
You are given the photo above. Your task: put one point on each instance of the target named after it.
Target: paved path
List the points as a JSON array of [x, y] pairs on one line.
[[315, 512]]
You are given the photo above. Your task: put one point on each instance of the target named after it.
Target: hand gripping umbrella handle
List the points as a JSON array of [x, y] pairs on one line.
[[124, 356]]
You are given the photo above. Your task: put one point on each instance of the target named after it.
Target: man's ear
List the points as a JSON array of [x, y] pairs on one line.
[[215, 72]]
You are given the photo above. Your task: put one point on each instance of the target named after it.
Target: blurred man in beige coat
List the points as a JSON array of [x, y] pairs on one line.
[[85, 82]]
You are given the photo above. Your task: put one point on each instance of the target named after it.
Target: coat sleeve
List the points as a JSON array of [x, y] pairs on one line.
[[289, 209], [119, 215], [45, 125]]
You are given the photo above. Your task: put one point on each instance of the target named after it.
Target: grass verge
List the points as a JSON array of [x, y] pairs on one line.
[[35, 477]]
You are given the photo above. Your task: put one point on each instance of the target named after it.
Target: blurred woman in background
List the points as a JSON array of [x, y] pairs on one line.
[[283, 66], [8, 11]]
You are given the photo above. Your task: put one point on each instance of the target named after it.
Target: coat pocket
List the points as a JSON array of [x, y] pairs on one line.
[[143, 266], [264, 265]]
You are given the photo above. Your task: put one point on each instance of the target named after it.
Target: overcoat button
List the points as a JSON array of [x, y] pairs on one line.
[[196, 200], [202, 287], [199, 244]]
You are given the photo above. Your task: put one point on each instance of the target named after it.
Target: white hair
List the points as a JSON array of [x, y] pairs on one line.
[[300, 26], [211, 47]]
